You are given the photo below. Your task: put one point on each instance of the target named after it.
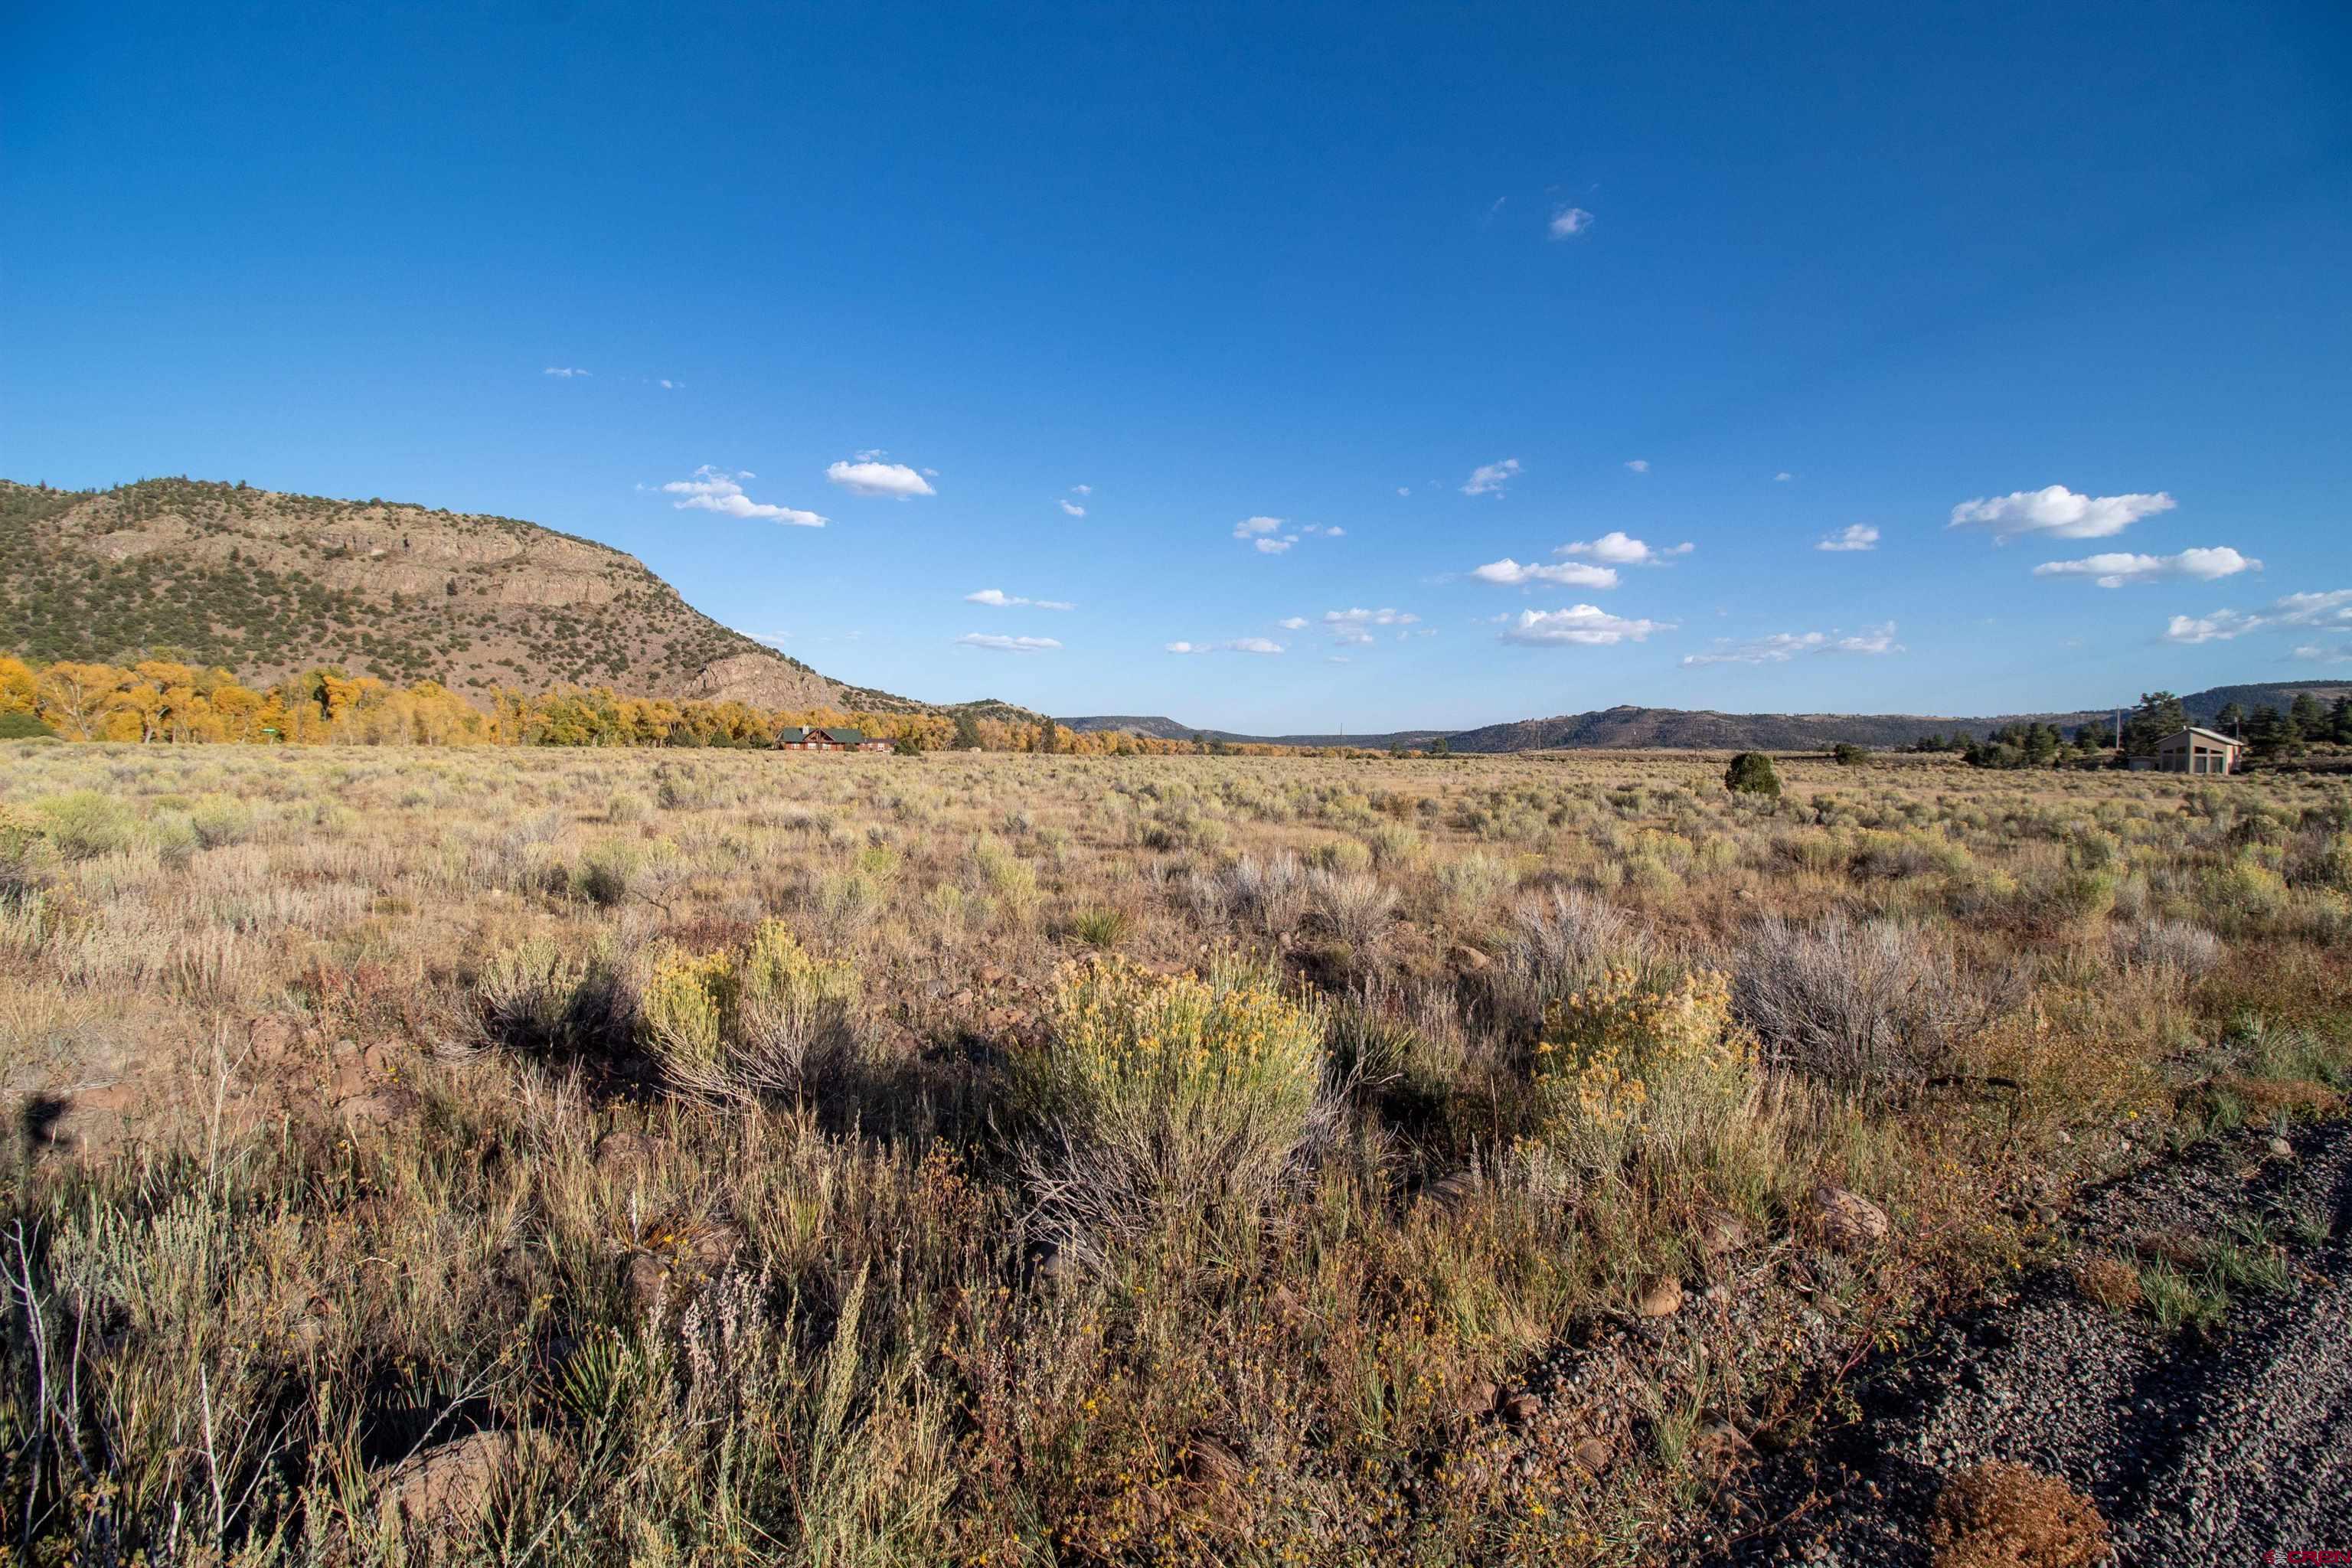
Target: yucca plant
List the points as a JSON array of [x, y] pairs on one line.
[[1102, 927]]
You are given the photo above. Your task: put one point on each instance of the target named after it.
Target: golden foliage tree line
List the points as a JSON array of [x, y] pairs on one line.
[[164, 701]]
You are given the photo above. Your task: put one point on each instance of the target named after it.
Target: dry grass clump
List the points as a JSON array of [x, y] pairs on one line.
[[2006, 1515], [2109, 1282]]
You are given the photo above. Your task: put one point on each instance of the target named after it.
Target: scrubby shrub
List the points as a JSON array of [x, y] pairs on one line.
[[220, 820], [1872, 1008], [1393, 845], [1627, 1066], [20, 853], [1356, 908], [2178, 946], [1347, 856], [540, 995], [172, 838], [1475, 880], [2322, 859], [681, 788], [1270, 893], [607, 873], [766, 1021], [1154, 1094], [2244, 891], [1751, 772], [25, 727], [2074, 896], [1559, 944], [86, 823]]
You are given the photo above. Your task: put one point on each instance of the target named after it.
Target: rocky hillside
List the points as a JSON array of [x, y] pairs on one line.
[[268, 584]]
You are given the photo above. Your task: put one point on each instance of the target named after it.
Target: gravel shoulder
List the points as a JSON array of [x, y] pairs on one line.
[[2200, 1444]]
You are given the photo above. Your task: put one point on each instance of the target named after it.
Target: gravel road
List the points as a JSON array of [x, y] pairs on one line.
[[2200, 1447]]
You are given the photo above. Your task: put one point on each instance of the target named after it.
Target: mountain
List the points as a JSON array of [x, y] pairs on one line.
[[268, 584], [1627, 727], [1165, 729]]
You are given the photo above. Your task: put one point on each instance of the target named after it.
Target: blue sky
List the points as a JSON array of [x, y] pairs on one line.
[[1264, 292]]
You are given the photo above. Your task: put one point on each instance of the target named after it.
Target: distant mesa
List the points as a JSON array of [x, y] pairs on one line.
[[1628, 727]]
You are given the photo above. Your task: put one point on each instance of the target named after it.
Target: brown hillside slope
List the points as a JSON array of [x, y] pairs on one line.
[[268, 584]]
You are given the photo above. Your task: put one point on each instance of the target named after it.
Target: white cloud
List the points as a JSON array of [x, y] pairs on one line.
[[1353, 627], [1073, 508], [1579, 625], [1871, 639], [1267, 534], [1489, 478], [715, 489], [1569, 221], [669, 385], [1782, 647], [1404, 490], [566, 371], [1238, 645], [2316, 653], [997, 598], [2218, 626], [2329, 610], [2332, 608], [1621, 549], [2059, 513], [1640, 465], [2117, 568], [1292, 623], [1568, 574], [1082, 490], [869, 476], [1783, 477], [996, 644], [1853, 536]]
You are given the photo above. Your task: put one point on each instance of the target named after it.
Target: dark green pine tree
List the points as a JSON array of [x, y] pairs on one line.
[[2305, 718]]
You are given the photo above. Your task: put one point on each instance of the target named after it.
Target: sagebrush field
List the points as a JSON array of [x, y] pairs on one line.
[[579, 1157]]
